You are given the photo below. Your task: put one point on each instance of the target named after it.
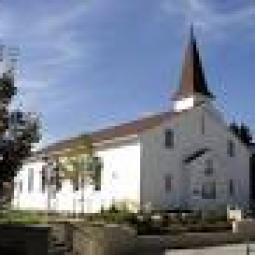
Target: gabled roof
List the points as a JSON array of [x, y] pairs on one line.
[[192, 80], [130, 128], [110, 133]]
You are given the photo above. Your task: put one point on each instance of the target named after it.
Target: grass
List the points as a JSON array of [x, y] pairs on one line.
[[22, 217]]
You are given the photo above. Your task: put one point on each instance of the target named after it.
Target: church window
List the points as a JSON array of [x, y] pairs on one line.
[[203, 124], [231, 148], [44, 178], [98, 173], [231, 187], [209, 190], [30, 183], [168, 183], [196, 192], [169, 138], [208, 167], [58, 178], [76, 181]]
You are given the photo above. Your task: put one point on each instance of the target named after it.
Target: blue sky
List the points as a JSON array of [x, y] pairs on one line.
[[87, 64]]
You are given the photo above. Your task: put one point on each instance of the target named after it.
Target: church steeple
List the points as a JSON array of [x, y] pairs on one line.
[[192, 81]]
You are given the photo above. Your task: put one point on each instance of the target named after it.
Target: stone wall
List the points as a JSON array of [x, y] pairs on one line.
[[103, 240], [88, 239], [245, 226], [24, 240]]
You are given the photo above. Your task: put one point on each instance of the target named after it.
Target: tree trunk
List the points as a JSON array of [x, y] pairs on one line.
[[6, 193]]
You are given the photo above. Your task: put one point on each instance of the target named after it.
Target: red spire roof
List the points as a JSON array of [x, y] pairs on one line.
[[192, 79]]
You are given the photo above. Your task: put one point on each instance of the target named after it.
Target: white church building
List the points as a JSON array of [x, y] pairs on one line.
[[186, 158]]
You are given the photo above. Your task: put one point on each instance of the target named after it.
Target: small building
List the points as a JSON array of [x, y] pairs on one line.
[[185, 158]]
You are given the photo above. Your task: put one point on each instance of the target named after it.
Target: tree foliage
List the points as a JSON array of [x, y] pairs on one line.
[[18, 132], [81, 169], [242, 131]]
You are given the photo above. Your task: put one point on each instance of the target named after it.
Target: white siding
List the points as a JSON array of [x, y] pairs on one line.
[[23, 198], [157, 160], [120, 183], [121, 172]]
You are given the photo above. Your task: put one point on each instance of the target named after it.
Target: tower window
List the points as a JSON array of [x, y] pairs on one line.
[[169, 138], [231, 148]]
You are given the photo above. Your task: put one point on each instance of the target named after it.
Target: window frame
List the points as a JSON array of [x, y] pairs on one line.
[[207, 193], [203, 124], [209, 167], [231, 148], [169, 138], [44, 178], [168, 183], [231, 187]]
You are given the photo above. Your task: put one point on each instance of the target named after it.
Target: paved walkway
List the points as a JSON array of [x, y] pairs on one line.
[[236, 249]]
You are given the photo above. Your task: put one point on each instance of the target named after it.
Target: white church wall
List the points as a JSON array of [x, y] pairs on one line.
[[120, 183], [199, 178], [236, 167], [121, 172], [158, 161], [24, 197], [193, 130]]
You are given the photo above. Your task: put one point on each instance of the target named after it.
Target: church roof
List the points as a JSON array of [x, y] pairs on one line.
[[192, 80], [110, 133]]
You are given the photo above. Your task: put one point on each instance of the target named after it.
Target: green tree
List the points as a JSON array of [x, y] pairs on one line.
[[18, 132], [86, 170], [242, 131], [81, 166]]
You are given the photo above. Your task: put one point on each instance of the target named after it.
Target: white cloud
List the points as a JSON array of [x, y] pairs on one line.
[[208, 19]]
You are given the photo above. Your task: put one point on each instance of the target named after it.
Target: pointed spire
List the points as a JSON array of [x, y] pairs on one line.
[[192, 79], [191, 34]]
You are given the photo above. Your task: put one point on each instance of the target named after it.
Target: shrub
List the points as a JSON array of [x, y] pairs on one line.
[[22, 217]]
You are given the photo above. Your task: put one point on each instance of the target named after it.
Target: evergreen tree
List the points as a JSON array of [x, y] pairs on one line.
[[234, 128], [18, 132], [242, 132], [245, 134]]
